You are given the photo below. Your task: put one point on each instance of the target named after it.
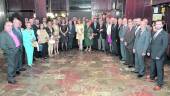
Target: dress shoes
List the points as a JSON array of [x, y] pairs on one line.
[[23, 69], [140, 76], [130, 66], [12, 82], [18, 72]]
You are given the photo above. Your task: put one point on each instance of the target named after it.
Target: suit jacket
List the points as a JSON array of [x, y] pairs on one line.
[[122, 31], [142, 41], [18, 33], [159, 45], [113, 32], [35, 28], [50, 33], [102, 33], [95, 29], [71, 31], [130, 38], [6, 43]]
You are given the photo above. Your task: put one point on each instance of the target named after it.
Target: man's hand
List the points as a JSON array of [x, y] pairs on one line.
[[101, 29], [125, 43], [143, 54], [134, 50], [121, 39], [148, 54], [157, 58]]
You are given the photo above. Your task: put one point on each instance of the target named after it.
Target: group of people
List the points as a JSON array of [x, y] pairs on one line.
[[130, 39]]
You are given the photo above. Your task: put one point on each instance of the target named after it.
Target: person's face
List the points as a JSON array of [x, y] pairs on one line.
[[8, 27], [78, 21], [124, 21], [146, 21], [158, 25], [120, 21], [70, 22], [31, 21], [130, 24], [29, 25], [37, 22], [63, 21], [142, 24], [54, 21], [41, 26], [95, 20], [16, 23], [44, 19], [49, 24]]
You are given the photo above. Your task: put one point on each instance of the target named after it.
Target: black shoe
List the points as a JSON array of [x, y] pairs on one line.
[[23, 69], [125, 63], [140, 76], [134, 72], [18, 73], [12, 82], [130, 66]]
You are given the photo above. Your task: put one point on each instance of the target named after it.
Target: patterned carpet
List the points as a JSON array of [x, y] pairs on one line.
[[75, 73]]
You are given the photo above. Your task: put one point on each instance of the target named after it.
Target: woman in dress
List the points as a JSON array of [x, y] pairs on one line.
[[80, 34], [88, 35], [63, 34], [43, 41], [28, 39], [56, 35]]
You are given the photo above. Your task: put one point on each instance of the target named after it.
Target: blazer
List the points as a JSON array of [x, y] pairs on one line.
[[6, 43], [102, 33], [113, 32], [50, 33], [18, 33], [122, 31], [142, 41], [159, 45], [72, 30], [95, 29], [130, 38]]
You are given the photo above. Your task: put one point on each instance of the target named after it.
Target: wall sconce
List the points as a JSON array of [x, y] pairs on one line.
[[63, 14], [56, 14], [34, 15], [50, 14]]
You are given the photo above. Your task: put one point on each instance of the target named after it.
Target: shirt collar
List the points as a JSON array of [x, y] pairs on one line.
[[159, 30]]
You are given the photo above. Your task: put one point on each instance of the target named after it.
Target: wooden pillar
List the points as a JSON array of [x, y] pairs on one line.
[[40, 8], [134, 9]]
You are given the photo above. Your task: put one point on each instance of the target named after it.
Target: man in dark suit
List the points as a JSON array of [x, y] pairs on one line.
[[119, 26], [158, 48], [102, 36], [129, 42], [71, 34], [141, 45], [95, 26], [35, 28], [9, 43], [122, 33], [18, 33], [114, 36]]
